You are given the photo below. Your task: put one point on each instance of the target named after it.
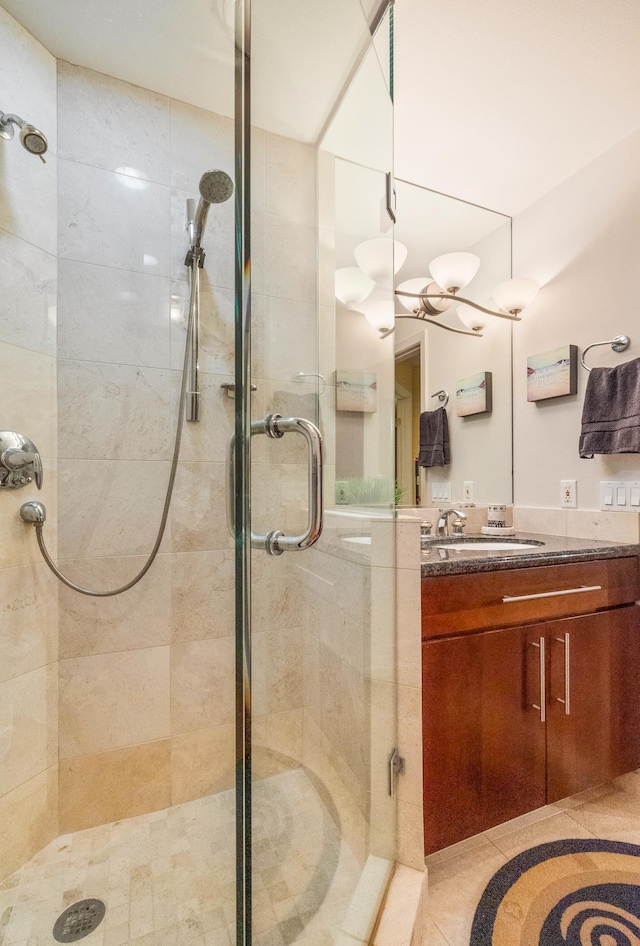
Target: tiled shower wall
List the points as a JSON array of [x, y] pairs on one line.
[[147, 678], [28, 612], [348, 591]]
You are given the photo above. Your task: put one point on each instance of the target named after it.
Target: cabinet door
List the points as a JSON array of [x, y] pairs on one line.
[[593, 705], [484, 742]]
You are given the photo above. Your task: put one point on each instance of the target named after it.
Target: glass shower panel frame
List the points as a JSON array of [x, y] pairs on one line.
[[310, 810]]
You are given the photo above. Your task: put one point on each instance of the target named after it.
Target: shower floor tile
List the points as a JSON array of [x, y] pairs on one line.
[[168, 878]]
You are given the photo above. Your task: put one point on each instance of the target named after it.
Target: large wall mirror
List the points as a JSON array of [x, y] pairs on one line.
[[430, 358]]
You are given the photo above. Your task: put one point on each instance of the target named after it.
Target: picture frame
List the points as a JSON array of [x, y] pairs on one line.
[[552, 373], [474, 395], [357, 391]]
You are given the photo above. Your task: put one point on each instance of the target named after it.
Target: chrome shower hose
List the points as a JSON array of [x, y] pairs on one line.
[[194, 276]]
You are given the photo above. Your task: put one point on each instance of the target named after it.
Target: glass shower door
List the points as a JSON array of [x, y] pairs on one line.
[[315, 712]]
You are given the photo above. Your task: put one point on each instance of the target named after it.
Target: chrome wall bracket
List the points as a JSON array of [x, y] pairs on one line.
[[20, 461], [229, 389]]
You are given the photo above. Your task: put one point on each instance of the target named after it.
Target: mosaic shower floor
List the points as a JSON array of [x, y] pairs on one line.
[[168, 878]]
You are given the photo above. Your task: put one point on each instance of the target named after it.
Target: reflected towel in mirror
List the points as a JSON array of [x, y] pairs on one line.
[[434, 438]]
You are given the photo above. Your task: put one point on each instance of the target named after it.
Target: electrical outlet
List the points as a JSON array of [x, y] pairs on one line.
[[569, 491], [467, 491]]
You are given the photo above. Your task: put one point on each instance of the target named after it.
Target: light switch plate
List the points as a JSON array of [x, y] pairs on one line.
[[440, 491], [467, 491], [619, 496], [569, 493]]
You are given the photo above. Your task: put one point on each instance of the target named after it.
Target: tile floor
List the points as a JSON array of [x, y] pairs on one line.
[[459, 874], [168, 878]]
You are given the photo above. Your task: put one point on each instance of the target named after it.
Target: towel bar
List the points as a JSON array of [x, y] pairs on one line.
[[619, 343], [442, 396]]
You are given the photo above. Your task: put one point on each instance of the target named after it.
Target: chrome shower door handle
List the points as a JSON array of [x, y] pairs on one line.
[[276, 542]]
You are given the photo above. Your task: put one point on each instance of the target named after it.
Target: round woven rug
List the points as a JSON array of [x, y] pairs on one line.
[[566, 893]]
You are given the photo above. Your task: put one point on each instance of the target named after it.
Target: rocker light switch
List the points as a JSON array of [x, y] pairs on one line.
[[619, 495]]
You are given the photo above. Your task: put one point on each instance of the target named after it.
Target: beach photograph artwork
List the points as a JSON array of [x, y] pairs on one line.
[[552, 373], [356, 391], [474, 395]]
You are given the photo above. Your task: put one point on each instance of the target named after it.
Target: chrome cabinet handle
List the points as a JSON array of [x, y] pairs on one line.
[[276, 426], [567, 673], [542, 706], [506, 599]]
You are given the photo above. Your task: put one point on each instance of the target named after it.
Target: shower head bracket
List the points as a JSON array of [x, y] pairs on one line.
[[7, 122]]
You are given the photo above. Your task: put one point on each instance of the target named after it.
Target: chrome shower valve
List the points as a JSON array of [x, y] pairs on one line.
[[20, 461]]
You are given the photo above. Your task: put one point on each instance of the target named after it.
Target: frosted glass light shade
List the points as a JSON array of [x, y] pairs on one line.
[[514, 295], [352, 286], [380, 316], [472, 318], [412, 285], [380, 259], [454, 270], [379, 313]]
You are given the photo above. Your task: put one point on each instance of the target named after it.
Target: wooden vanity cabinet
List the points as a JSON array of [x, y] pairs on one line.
[[497, 738], [599, 738], [483, 749]]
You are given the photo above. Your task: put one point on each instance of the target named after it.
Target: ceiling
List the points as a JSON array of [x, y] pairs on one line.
[[498, 101], [303, 51]]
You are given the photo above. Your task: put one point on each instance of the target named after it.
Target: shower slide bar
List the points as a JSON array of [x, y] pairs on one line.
[[276, 542]]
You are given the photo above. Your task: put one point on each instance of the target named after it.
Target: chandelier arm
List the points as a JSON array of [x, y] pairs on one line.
[[447, 328], [448, 295]]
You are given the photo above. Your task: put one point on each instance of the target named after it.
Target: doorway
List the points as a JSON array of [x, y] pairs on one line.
[[408, 394]]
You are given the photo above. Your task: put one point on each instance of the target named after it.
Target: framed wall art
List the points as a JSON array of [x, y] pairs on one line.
[[552, 373], [474, 395], [357, 391]]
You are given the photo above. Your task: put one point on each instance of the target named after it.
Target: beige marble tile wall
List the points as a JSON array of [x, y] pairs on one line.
[[347, 589], [28, 610], [284, 362], [147, 679], [579, 523], [409, 692]]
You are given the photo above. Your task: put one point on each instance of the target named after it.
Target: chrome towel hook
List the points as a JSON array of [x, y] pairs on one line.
[[619, 343]]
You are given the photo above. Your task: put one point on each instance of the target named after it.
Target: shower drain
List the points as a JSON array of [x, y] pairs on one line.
[[78, 920]]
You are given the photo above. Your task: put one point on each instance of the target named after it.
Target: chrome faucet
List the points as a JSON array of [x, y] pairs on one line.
[[443, 521]]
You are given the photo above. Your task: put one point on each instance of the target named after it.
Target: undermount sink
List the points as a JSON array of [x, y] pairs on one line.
[[481, 545]]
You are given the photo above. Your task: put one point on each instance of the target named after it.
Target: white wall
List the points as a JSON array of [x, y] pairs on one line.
[[582, 242]]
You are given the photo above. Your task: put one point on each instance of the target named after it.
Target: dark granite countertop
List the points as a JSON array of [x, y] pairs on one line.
[[555, 550]]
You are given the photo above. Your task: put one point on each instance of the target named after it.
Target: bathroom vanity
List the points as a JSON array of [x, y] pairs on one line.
[[531, 679]]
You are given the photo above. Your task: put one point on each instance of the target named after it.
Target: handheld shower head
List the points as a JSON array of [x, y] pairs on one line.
[[31, 139], [215, 188]]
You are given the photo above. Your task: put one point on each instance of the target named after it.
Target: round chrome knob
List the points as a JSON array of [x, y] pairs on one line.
[[33, 512]]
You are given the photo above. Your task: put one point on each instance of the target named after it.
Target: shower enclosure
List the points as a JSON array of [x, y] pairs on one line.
[[206, 753]]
